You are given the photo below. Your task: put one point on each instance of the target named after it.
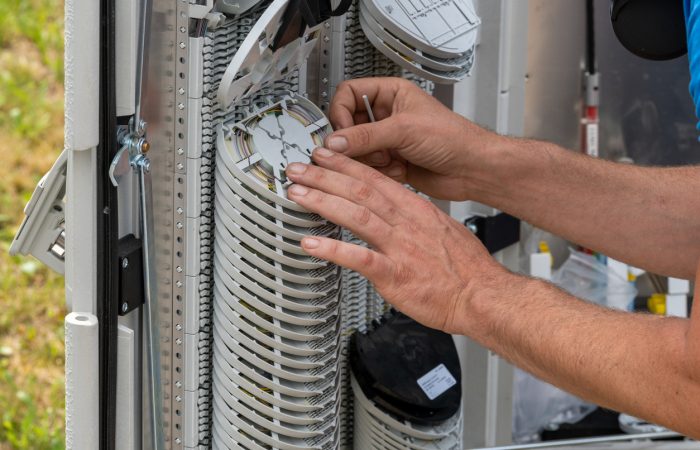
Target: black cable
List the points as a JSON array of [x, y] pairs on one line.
[[590, 37], [107, 271]]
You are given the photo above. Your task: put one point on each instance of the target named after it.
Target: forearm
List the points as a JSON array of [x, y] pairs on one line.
[[638, 364], [648, 217]]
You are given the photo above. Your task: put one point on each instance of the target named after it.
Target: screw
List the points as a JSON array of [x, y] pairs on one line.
[[180, 151], [472, 227], [181, 91], [178, 398], [180, 106], [178, 441], [125, 263], [178, 341], [324, 80], [180, 166], [179, 225], [178, 384], [178, 283], [326, 39], [182, 45], [178, 269], [125, 307], [180, 210], [145, 146], [178, 327]]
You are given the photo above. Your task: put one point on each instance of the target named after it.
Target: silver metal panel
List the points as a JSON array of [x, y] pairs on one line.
[[646, 113], [158, 112]]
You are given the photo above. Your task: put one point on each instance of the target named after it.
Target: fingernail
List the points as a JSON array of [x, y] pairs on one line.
[[310, 243], [337, 143], [323, 152], [296, 168], [395, 171], [297, 190], [377, 158]]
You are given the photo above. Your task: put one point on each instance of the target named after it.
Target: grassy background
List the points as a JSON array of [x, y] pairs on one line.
[[31, 296]]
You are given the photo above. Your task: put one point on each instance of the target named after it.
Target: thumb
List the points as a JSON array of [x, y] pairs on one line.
[[366, 138]]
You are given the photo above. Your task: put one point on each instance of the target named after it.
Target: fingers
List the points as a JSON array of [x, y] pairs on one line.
[[347, 103], [394, 192], [346, 187], [357, 218], [368, 138], [372, 265]]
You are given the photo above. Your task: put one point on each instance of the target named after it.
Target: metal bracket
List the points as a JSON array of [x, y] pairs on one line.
[[131, 279], [132, 156], [42, 233]]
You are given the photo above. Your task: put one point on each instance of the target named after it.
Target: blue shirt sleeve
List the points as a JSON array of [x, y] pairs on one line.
[[692, 22]]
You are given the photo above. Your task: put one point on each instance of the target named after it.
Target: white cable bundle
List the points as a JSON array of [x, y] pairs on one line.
[[276, 309], [377, 429], [434, 39]]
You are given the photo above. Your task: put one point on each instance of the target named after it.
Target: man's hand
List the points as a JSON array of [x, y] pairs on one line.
[[415, 140], [422, 261]]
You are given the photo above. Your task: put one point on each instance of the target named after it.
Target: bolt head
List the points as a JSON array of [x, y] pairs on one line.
[[125, 307], [145, 146], [125, 263]]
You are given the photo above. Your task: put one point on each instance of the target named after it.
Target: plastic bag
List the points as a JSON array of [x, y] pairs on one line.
[[584, 276], [538, 404]]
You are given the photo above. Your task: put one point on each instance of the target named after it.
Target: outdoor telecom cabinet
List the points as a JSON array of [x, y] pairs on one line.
[[195, 319]]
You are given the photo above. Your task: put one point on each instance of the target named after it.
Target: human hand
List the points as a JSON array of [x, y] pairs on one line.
[[415, 140], [422, 261]]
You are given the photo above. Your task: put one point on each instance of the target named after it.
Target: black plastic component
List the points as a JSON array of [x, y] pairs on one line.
[[651, 29], [305, 13], [131, 284], [601, 422], [388, 360], [497, 232]]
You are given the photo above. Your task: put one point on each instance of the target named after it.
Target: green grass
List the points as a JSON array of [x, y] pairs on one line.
[[32, 304]]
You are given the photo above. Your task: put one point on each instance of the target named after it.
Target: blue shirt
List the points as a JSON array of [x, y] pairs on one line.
[[692, 22]]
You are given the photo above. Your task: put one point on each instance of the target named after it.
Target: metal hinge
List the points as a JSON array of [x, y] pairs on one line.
[[42, 233]]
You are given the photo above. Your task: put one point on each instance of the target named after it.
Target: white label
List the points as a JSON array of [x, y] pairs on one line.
[[436, 381], [592, 140]]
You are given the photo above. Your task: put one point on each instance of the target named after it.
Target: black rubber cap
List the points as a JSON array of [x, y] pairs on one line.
[[651, 29], [388, 360]]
